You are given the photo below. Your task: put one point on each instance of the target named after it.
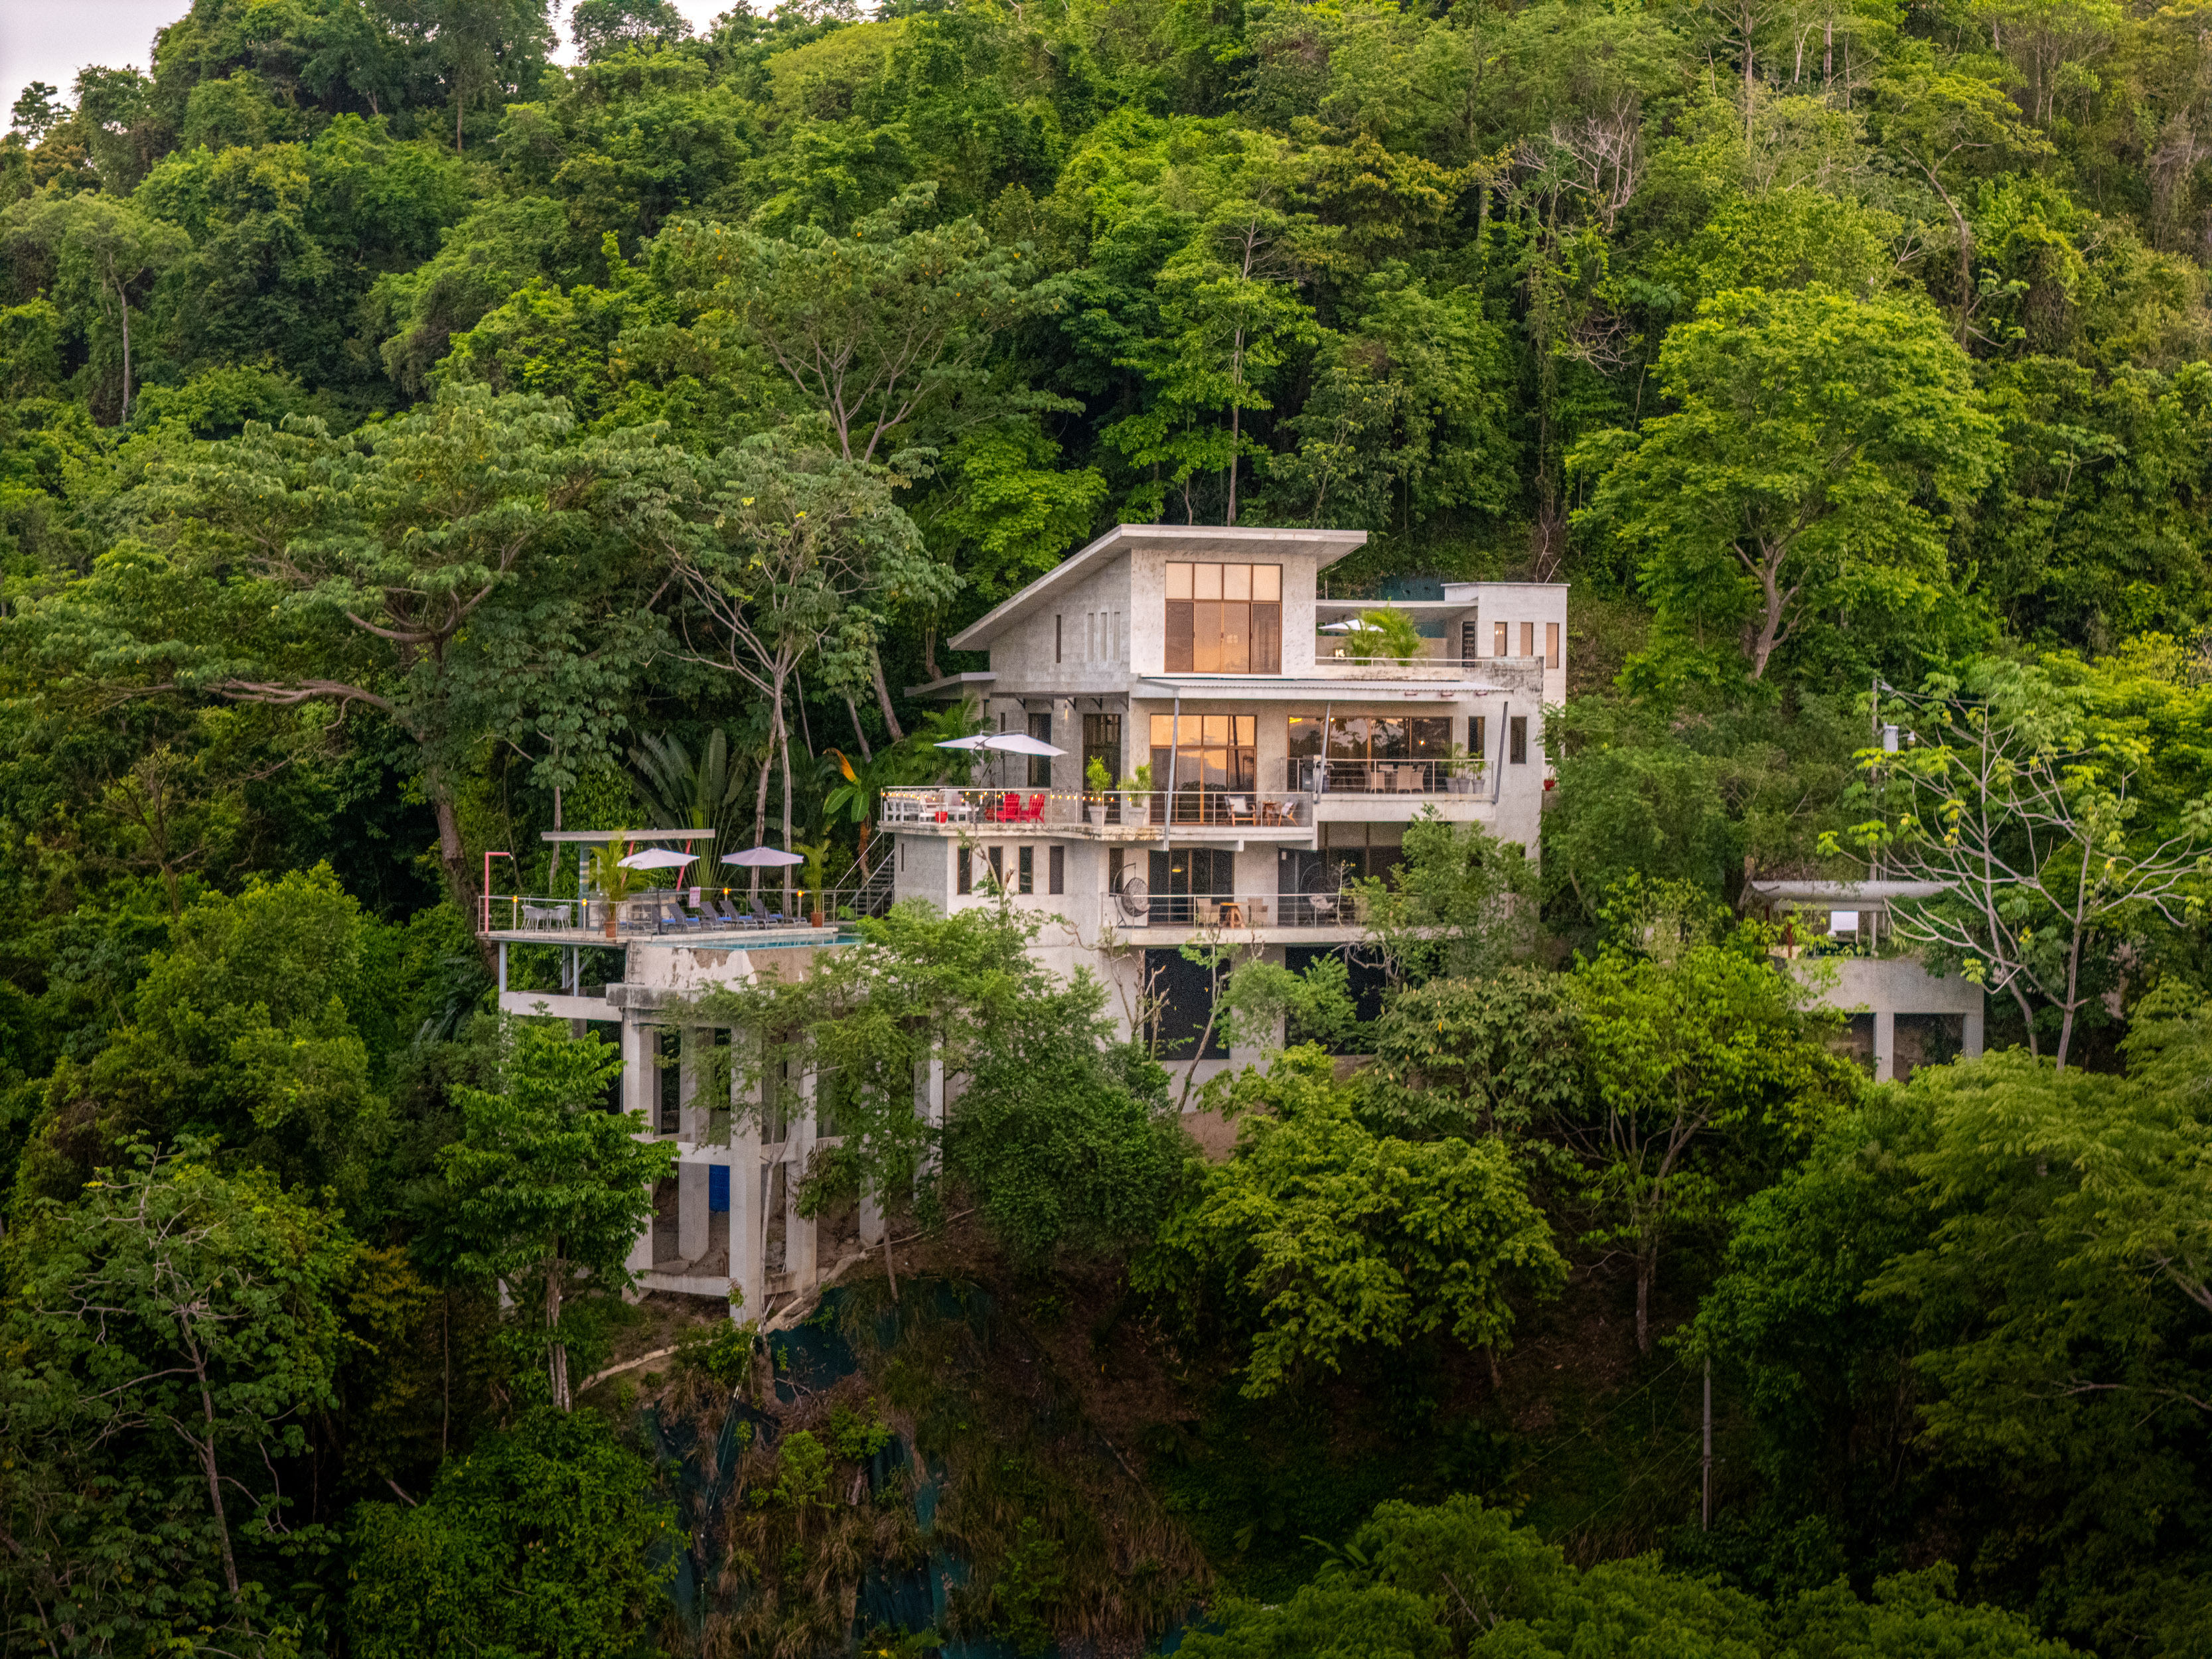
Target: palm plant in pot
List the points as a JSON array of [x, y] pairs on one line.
[[1099, 782], [611, 880], [1136, 788], [815, 874]]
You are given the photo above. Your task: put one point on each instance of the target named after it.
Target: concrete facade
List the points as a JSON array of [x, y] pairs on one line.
[[1091, 637]]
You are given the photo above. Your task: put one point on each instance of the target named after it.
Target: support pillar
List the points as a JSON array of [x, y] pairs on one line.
[[746, 1275], [1884, 1047], [797, 1229], [1973, 1034], [692, 1223]]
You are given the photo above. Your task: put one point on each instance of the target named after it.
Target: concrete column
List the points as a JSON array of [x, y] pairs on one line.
[[640, 1078], [691, 1209], [1973, 1034], [1884, 1047], [746, 1180], [797, 1229], [640, 1259], [871, 1220], [692, 1119]]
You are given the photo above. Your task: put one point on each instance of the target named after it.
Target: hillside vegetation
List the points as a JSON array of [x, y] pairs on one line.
[[410, 444]]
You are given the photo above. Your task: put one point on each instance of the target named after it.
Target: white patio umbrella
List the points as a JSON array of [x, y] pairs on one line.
[[657, 858], [1020, 743], [762, 857], [981, 740]]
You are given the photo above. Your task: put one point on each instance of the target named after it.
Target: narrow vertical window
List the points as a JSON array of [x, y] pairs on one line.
[[1551, 645], [1113, 869], [1025, 870], [1499, 645], [1041, 765], [1527, 639], [1478, 736], [964, 882], [1058, 638], [998, 858], [1056, 870], [1517, 739], [668, 1052], [1180, 621]]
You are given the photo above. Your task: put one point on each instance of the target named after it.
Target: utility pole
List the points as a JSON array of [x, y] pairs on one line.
[[1707, 1525]]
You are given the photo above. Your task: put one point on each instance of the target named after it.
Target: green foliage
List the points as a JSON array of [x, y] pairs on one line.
[[145, 1448], [1324, 1241], [1706, 1069], [1463, 904], [1478, 1056], [549, 1189], [1791, 477], [546, 1539]]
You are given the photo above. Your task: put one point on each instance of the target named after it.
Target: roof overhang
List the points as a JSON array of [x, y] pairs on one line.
[[1188, 540], [1277, 688], [952, 687]]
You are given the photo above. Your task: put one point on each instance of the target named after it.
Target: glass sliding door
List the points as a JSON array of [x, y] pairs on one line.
[[1216, 765]]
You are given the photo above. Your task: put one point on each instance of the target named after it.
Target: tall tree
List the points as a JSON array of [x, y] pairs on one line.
[[776, 548], [469, 570], [185, 1320], [550, 1189], [2027, 813], [1815, 442], [104, 250], [1692, 1039]]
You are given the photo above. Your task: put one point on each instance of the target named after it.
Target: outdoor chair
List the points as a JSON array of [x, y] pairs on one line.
[[1240, 810], [1034, 812]]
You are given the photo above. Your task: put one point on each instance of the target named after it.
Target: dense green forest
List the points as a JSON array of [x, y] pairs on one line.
[[410, 444]]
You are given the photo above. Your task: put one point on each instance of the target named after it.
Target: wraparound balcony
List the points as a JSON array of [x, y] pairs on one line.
[[1114, 815]]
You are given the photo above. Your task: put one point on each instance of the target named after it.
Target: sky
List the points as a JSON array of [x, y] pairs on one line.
[[50, 40]]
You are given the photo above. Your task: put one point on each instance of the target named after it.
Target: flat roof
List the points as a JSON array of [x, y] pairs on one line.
[[1187, 539]]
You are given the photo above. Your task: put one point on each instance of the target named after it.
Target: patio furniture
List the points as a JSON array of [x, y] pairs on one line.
[[1034, 812], [1240, 810], [1229, 914], [1410, 780], [538, 918]]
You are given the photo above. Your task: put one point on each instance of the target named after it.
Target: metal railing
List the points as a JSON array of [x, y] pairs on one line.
[[1072, 812], [663, 912], [1136, 907], [1385, 777]]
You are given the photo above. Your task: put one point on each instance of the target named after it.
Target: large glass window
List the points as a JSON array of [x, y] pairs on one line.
[[1225, 618], [1185, 880], [1391, 753], [1215, 759]]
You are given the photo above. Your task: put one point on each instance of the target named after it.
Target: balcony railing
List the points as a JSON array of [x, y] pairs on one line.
[[1385, 777], [1134, 907], [662, 913], [1072, 812]]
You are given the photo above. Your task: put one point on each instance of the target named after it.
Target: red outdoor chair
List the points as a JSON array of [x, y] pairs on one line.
[[1034, 812]]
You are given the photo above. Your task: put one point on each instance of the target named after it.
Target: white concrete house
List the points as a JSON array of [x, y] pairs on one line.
[[1279, 765]]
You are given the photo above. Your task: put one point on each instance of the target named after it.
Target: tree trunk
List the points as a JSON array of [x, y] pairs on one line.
[[455, 857], [1770, 630], [206, 1447], [123, 305], [1647, 1270], [556, 1353], [783, 748], [883, 695], [891, 1270], [853, 711]]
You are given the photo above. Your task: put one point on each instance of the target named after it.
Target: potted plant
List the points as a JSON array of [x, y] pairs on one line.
[[812, 872], [1098, 780], [1137, 788], [611, 880], [1462, 767]]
